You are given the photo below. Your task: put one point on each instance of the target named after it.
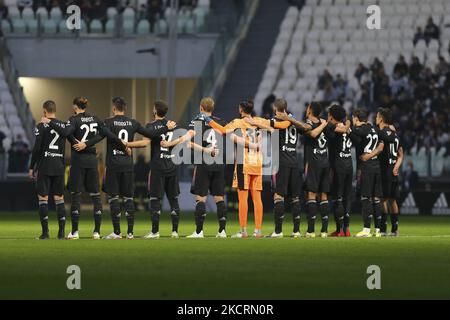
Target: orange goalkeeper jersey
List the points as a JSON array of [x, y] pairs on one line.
[[252, 161]]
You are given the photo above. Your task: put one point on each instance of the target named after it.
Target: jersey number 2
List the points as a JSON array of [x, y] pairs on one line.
[[53, 144]]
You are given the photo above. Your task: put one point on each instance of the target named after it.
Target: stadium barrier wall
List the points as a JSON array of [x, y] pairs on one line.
[[21, 196]]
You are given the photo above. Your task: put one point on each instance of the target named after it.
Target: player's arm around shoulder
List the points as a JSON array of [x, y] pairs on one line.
[[314, 133], [63, 129]]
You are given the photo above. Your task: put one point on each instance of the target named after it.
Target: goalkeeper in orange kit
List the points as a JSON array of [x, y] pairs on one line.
[[248, 169]]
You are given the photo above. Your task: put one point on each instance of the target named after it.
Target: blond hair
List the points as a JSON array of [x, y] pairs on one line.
[[207, 104]]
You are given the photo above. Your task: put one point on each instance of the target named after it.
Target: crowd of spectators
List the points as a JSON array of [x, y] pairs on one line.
[[16, 159], [418, 95], [97, 9]]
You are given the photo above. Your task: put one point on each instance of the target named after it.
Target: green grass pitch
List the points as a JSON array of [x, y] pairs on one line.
[[415, 265]]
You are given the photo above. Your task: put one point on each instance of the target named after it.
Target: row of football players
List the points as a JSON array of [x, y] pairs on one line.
[[84, 131], [328, 163]]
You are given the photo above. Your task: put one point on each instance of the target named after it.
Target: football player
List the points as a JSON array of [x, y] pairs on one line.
[[163, 176], [118, 178], [209, 174], [391, 160], [83, 175], [368, 147], [47, 167]]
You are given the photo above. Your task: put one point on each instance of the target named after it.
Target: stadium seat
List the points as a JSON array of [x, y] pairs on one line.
[[56, 14], [161, 26], [13, 13], [110, 26], [304, 23], [330, 47], [334, 23], [320, 11], [19, 26], [203, 3], [32, 26], [347, 12], [27, 13], [96, 26], [143, 27], [341, 36], [319, 23], [111, 12], [62, 28], [359, 46], [395, 46], [42, 13], [128, 14], [128, 27], [292, 12], [49, 26]]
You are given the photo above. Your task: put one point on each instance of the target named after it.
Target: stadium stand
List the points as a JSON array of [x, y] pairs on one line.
[[104, 17], [15, 117], [325, 52]]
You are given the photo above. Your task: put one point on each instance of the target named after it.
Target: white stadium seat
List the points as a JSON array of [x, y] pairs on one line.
[[42, 13]]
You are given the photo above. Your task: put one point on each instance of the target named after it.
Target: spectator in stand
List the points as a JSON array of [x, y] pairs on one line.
[[431, 30], [419, 35], [329, 93], [376, 66], [442, 67], [401, 67], [267, 110], [3, 9], [399, 84], [324, 79], [415, 68], [361, 71], [340, 88], [24, 3], [18, 155], [97, 11], [155, 10], [363, 96], [411, 177]]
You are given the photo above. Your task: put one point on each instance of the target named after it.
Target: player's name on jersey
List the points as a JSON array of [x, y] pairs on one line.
[[440, 207], [122, 123], [87, 119]]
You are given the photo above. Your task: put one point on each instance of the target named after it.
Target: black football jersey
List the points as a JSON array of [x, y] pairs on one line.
[[288, 145], [123, 128], [161, 159], [316, 149], [49, 150], [389, 155], [207, 137], [82, 127], [340, 153], [366, 140]]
